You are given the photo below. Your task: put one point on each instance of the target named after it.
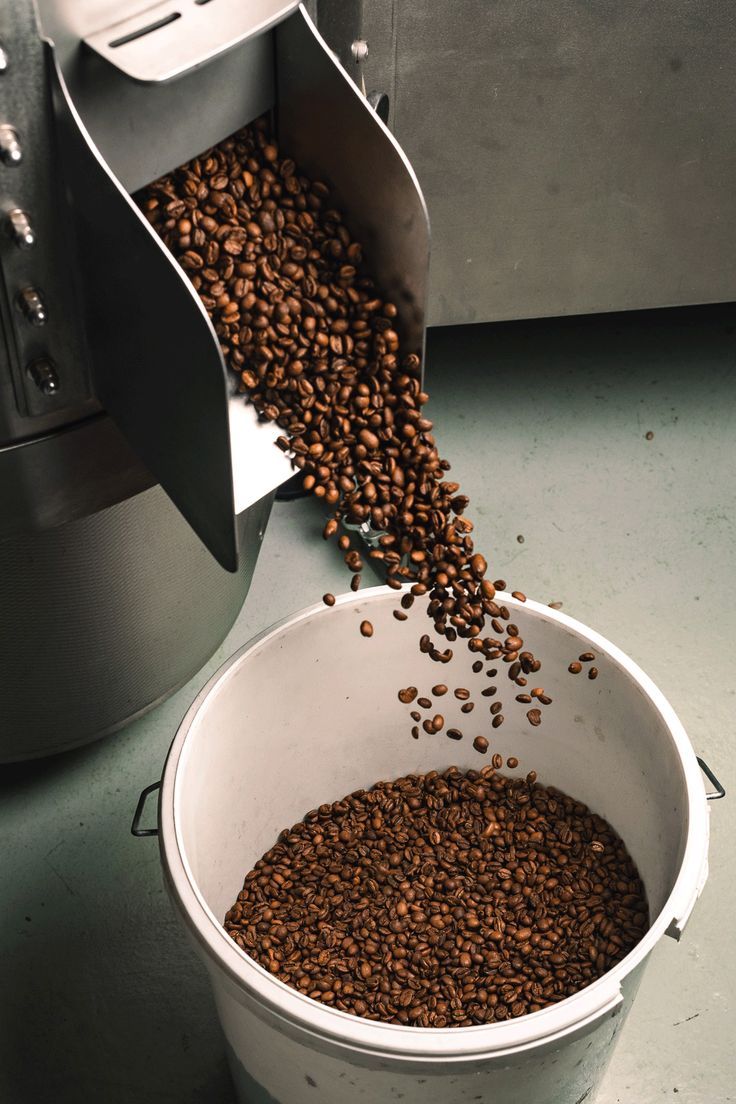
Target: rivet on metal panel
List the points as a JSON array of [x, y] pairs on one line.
[[44, 375], [18, 227], [359, 49], [10, 151], [31, 304]]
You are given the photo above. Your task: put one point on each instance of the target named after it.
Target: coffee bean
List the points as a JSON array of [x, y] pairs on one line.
[[317, 347], [366, 628], [649, 435], [478, 666], [519, 595], [525, 698], [498, 720], [399, 615], [461, 693], [425, 703], [480, 744], [439, 690], [415, 715], [489, 691], [586, 657], [512, 762], [468, 707], [497, 761], [328, 599], [336, 937], [535, 717], [496, 707], [408, 695], [454, 734], [575, 668], [593, 673]]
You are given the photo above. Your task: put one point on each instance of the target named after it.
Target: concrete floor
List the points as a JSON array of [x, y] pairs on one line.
[[545, 423]]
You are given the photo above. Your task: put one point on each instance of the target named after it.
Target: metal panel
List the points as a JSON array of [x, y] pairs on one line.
[[576, 156], [168, 39], [157, 367], [144, 131], [42, 256], [65, 475], [104, 617], [327, 126]]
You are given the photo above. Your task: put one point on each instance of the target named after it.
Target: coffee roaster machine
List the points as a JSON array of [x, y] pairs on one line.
[[575, 158], [135, 481]]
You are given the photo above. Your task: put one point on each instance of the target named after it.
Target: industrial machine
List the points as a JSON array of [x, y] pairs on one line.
[[135, 481], [575, 158]]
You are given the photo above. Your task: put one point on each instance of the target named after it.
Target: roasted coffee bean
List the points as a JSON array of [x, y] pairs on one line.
[[366, 628], [316, 347], [587, 657], [415, 715], [328, 599], [497, 761], [575, 668], [461, 693], [355, 582], [468, 707], [477, 666], [535, 717], [454, 734], [480, 744], [498, 720], [448, 918], [525, 698], [519, 595], [399, 615], [593, 673], [512, 762], [408, 695], [496, 707], [439, 689], [425, 703], [489, 691]]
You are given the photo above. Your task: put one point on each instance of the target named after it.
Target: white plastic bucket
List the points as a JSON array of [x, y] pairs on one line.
[[308, 712]]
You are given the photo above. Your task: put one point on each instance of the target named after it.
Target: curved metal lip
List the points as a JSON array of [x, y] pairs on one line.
[[65, 427], [394, 1040]]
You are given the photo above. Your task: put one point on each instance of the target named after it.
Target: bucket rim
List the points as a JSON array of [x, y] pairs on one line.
[[601, 997]]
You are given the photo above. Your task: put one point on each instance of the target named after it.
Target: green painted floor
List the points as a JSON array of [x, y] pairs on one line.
[[545, 422]]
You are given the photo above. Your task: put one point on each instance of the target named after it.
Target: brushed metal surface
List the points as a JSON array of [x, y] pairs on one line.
[[75, 471], [157, 369], [143, 131], [105, 616], [328, 127], [575, 156], [168, 39]]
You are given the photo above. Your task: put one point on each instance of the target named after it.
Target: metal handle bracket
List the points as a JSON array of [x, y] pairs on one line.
[[135, 828], [720, 791]]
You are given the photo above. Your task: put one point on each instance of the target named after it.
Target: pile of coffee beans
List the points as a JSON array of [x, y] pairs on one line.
[[443, 900], [318, 350]]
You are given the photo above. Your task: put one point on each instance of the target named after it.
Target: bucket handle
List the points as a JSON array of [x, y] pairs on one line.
[[135, 828], [720, 791]]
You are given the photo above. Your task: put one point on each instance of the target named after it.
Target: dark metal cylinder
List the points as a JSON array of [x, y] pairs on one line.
[[105, 616]]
